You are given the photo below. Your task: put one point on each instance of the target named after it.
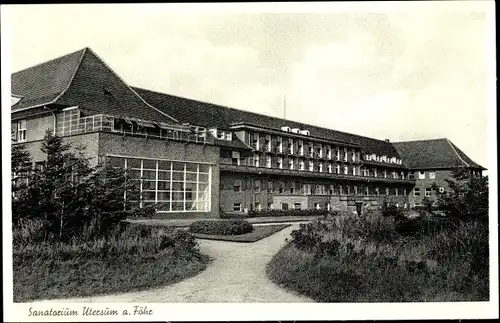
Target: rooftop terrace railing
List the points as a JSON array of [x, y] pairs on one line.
[[106, 123], [303, 173]]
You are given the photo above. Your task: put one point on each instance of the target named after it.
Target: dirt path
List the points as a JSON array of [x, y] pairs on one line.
[[236, 275]]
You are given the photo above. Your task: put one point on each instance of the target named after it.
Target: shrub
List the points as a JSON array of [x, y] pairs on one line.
[[221, 227], [274, 213]]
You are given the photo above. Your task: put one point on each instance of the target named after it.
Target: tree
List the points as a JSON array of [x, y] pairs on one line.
[[72, 198], [468, 196]]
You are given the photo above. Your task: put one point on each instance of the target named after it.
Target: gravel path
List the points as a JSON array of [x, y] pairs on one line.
[[236, 275]]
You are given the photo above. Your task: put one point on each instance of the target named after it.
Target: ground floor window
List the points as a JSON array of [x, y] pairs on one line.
[[316, 206], [237, 207], [297, 206], [174, 186], [428, 191], [284, 206], [258, 206]]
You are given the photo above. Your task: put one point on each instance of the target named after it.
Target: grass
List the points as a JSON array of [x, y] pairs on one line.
[[131, 261], [258, 233], [365, 259]]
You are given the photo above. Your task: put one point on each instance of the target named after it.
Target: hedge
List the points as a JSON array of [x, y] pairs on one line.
[[221, 227]]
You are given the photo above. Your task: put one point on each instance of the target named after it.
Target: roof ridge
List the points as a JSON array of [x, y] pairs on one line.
[[418, 140], [50, 60], [260, 114], [456, 153], [129, 87]]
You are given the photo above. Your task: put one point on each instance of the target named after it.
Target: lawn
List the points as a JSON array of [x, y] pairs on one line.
[[258, 233], [132, 261], [365, 259]]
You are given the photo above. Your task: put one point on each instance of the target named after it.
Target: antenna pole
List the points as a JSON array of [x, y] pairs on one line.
[[284, 106]]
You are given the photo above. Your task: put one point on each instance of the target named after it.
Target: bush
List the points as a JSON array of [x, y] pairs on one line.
[[377, 258], [137, 257], [221, 227], [274, 213]]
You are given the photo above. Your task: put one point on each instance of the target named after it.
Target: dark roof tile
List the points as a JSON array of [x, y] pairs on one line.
[[212, 115], [433, 154]]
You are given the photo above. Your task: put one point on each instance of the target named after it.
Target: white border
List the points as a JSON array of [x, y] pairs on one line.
[[240, 311]]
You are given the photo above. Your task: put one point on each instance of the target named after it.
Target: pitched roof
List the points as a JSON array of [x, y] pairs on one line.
[[44, 82], [433, 154], [81, 79], [213, 115]]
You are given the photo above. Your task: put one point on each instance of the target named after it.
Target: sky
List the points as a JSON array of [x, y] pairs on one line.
[[420, 71]]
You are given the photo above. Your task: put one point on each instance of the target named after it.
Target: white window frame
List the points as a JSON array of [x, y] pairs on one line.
[[290, 163], [421, 175], [302, 165], [237, 207], [428, 192], [22, 131], [280, 162], [432, 175], [415, 191]]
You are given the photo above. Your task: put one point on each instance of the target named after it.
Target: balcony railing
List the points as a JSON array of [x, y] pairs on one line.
[[289, 172], [105, 123]]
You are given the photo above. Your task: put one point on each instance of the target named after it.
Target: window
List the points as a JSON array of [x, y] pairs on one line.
[[354, 170], [256, 160], [320, 167], [331, 190], [235, 158], [337, 154], [237, 187], [441, 190], [355, 190], [367, 190], [268, 161], [386, 191], [270, 186], [329, 167], [284, 206], [316, 206], [306, 188], [280, 162], [174, 186], [328, 152], [377, 191], [257, 186], [21, 130], [297, 206], [345, 155], [290, 146], [292, 190], [404, 191], [385, 174], [281, 189], [280, 144], [269, 206], [290, 163], [396, 191], [237, 207], [346, 170], [258, 206], [432, 175], [402, 175], [337, 169], [301, 147], [428, 192], [421, 175], [67, 122], [328, 206], [311, 166], [311, 151], [301, 165], [416, 191], [256, 141], [268, 144], [353, 155]]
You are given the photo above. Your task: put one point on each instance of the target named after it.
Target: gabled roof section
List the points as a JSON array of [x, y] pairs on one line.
[[43, 83], [433, 154], [82, 79], [212, 115]]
